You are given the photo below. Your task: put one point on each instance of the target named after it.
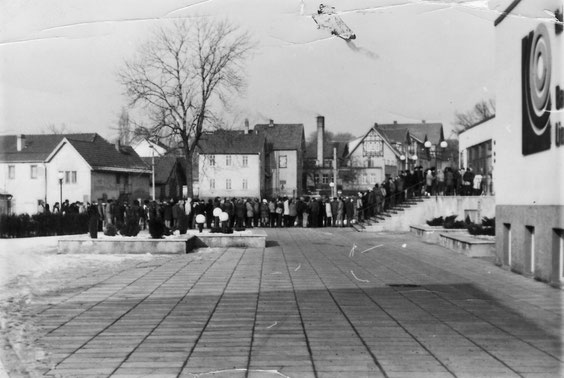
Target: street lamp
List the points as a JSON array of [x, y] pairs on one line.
[[152, 166], [61, 176], [430, 150]]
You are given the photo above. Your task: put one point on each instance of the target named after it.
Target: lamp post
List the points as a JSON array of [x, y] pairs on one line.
[[60, 176], [152, 168]]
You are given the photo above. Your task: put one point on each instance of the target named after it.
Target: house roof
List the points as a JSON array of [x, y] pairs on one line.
[[102, 155], [283, 136], [231, 142], [37, 147], [396, 132], [164, 166], [353, 145]]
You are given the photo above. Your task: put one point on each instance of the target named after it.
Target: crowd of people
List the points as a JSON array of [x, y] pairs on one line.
[[304, 211]]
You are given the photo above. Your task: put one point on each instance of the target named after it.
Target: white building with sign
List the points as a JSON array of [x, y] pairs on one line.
[[528, 133]]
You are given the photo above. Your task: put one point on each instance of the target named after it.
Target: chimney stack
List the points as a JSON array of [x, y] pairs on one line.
[[423, 121], [320, 137], [20, 142], [271, 123], [118, 145], [395, 122], [246, 125]]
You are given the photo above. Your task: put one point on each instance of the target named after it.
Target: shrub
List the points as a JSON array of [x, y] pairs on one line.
[[110, 230], [130, 228], [488, 222], [478, 229], [157, 228], [42, 224], [436, 221]]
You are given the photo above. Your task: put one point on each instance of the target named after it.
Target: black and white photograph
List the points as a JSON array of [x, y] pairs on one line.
[[281, 188]]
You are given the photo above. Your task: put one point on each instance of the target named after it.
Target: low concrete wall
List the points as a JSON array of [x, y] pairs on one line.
[[173, 245], [467, 245], [256, 239], [431, 234], [123, 246]]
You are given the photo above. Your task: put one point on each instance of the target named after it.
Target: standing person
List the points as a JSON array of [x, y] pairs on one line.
[[440, 182], [314, 212], [286, 212], [340, 212], [168, 214], [264, 213], [428, 182], [175, 215], [468, 180], [334, 211], [188, 211], [306, 212], [240, 209], [293, 211], [477, 183], [209, 213], [256, 212], [300, 208], [349, 210], [93, 218], [328, 213], [250, 213], [449, 181], [359, 208], [272, 213], [279, 212]]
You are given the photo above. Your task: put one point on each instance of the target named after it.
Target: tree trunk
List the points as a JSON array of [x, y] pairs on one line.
[[189, 177]]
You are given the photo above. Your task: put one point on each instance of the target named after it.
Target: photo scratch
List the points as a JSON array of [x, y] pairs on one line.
[[358, 279], [371, 248]]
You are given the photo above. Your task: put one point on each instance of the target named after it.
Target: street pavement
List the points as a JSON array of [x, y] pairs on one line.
[[313, 303]]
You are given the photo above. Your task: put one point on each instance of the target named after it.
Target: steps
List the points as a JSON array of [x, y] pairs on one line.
[[393, 219]]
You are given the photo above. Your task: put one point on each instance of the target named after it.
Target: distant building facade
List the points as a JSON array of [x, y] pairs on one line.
[[231, 164], [477, 147], [285, 151]]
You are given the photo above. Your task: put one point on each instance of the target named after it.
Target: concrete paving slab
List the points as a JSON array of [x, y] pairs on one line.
[[306, 306]]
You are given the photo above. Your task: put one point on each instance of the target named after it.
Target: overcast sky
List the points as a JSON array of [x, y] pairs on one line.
[[411, 60]]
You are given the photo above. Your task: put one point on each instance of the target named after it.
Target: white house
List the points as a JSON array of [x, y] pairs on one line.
[[77, 167], [477, 147], [529, 136], [231, 164]]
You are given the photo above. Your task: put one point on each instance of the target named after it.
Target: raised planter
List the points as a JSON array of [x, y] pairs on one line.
[[179, 244], [468, 245], [430, 234]]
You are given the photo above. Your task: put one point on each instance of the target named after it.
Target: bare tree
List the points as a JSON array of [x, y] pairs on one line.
[[482, 111], [54, 129], [124, 129], [181, 75]]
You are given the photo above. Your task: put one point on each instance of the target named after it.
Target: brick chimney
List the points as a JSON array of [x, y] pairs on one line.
[[20, 142], [423, 121], [246, 125], [320, 135], [271, 123], [118, 145]]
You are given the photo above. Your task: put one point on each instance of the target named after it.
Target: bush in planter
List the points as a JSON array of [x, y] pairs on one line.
[[130, 228], [436, 221], [110, 230], [488, 222]]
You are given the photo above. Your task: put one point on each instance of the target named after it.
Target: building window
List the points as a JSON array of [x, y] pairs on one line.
[[245, 160], [212, 160], [363, 178], [11, 172], [283, 161], [73, 177], [212, 183], [67, 177], [228, 184], [227, 160], [33, 171], [373, 178], [325, 179], [245, 184], [316, 178]]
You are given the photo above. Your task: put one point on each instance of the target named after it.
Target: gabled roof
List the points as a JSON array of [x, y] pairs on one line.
[[396, 132], [102, 155], [353, 145], [37, 147], [231, 142], [164, 166], [283, 136]]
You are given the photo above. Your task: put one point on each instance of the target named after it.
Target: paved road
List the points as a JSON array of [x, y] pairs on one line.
[[314, 303]]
